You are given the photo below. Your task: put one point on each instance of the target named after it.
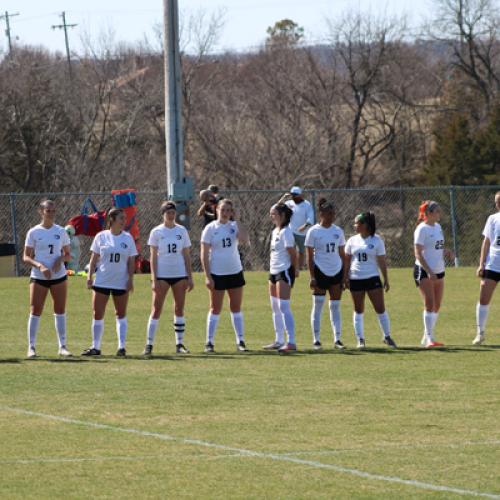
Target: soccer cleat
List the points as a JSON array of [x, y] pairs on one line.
[[424, 340], [31, 352], [317, 345], [148, 350], [433, 343], [287, 348], [240, 346], [91, 351], [390, 343], [272, 347], [209, 348], [181, 349], [361, 344], [121, 352], [479, 339], [63, 351], [338, 345]]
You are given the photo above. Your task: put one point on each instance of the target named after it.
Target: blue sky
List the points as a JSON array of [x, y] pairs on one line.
[[246, 21]]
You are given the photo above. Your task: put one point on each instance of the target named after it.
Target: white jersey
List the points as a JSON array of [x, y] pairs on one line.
[[432, 239], [114, 252], [492, 232], [170, 243], [303, 213], [281, 240], [364, 253], [326, 242], [223, 241], [48, 246]]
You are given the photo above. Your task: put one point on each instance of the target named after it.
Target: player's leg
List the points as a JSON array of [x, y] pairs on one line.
[[427, 293], [335, 292], [284, 291], [279, 325], [486, 290], [179, 291], [159, 293], [235, 301], [99, 302], [120, 302], [318, 300], [438, 288], [358, 299], [59, 293], [38, 294], [216, 301], [376, 297]]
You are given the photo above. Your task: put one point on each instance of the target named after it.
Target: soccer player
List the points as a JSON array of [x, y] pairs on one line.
[[169, 245], [364, 256], [325, 244], [489, 269], [223, 270], [46, 250], [283, 271], [113, 252], [429, 266]]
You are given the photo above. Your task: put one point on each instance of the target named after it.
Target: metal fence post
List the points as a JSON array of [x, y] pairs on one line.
[[453, 210], [12, 202]]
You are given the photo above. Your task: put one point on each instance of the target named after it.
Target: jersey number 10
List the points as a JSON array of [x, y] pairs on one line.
[[114, 257]]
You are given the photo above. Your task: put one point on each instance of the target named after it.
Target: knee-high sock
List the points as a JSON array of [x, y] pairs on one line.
[[357, 319], [288, 320], [434, 321], [279, 325], [335, 318], [428, 325], [481, 317], [385, 324], [33, 324], [212, 322], [179, 328], [238, 326], [317, 308], [60, 323], [121, 332], [97, 329], [151, 332]]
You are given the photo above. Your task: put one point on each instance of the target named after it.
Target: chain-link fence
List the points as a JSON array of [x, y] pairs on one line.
[[465, 210]]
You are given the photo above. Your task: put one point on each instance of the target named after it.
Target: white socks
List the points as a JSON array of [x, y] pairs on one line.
[[97, 329], [428, 325], [152, 327], [357, 319], [335, 319], [179, 327], [317, 308], [385, 324], [60, 322], [237, 321], [33, 324], [288, 319], [212, 322], [481, 317], [279, 325], [121, 332]]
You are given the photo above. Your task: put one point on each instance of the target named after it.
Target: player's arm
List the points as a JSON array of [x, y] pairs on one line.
[[186, 252], [419, 255], [94, 257], [205, 264], [65, 257], [382, 264], [342, 258], [153, 260], [294, 258], [310, 265], [346, 267], [485, 250], [130, 271], [29, 258]]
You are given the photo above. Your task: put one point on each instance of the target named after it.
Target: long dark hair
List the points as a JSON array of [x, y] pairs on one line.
[[111, 215], [285, 211], [367, 218]]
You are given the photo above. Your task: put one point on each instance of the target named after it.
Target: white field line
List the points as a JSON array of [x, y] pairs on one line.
[[255, 454]]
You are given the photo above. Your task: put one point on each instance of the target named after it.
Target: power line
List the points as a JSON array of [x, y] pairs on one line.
[[65, 27], [7, 17]]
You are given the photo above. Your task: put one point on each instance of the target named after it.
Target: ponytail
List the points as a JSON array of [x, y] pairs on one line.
[[424, 209], [285, 211], [368, 218]]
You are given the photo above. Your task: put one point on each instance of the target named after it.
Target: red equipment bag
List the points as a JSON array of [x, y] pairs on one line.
[[90, 221]]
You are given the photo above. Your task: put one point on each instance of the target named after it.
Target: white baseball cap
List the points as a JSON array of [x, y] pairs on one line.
[[296, 190]]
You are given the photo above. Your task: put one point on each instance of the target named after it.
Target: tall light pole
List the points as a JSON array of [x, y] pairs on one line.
[[179, 187]]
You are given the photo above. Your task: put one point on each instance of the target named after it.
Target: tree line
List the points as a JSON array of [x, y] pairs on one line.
[[369, 107]]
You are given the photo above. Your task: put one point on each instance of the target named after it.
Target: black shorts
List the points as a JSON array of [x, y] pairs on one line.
[[228, 281], [491, 275], [419, 274], [287, 276], [172, 281], [324, 281], [48, 283], [365, 285], [109, 291]]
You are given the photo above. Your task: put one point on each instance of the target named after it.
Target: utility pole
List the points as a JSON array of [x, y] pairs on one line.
[[7, 17], [65, 27], [179, 187]]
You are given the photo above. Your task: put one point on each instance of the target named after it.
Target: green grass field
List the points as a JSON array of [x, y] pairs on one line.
[[378, 423]]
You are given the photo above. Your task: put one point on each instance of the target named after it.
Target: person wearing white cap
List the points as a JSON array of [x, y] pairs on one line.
[[302, 219]]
